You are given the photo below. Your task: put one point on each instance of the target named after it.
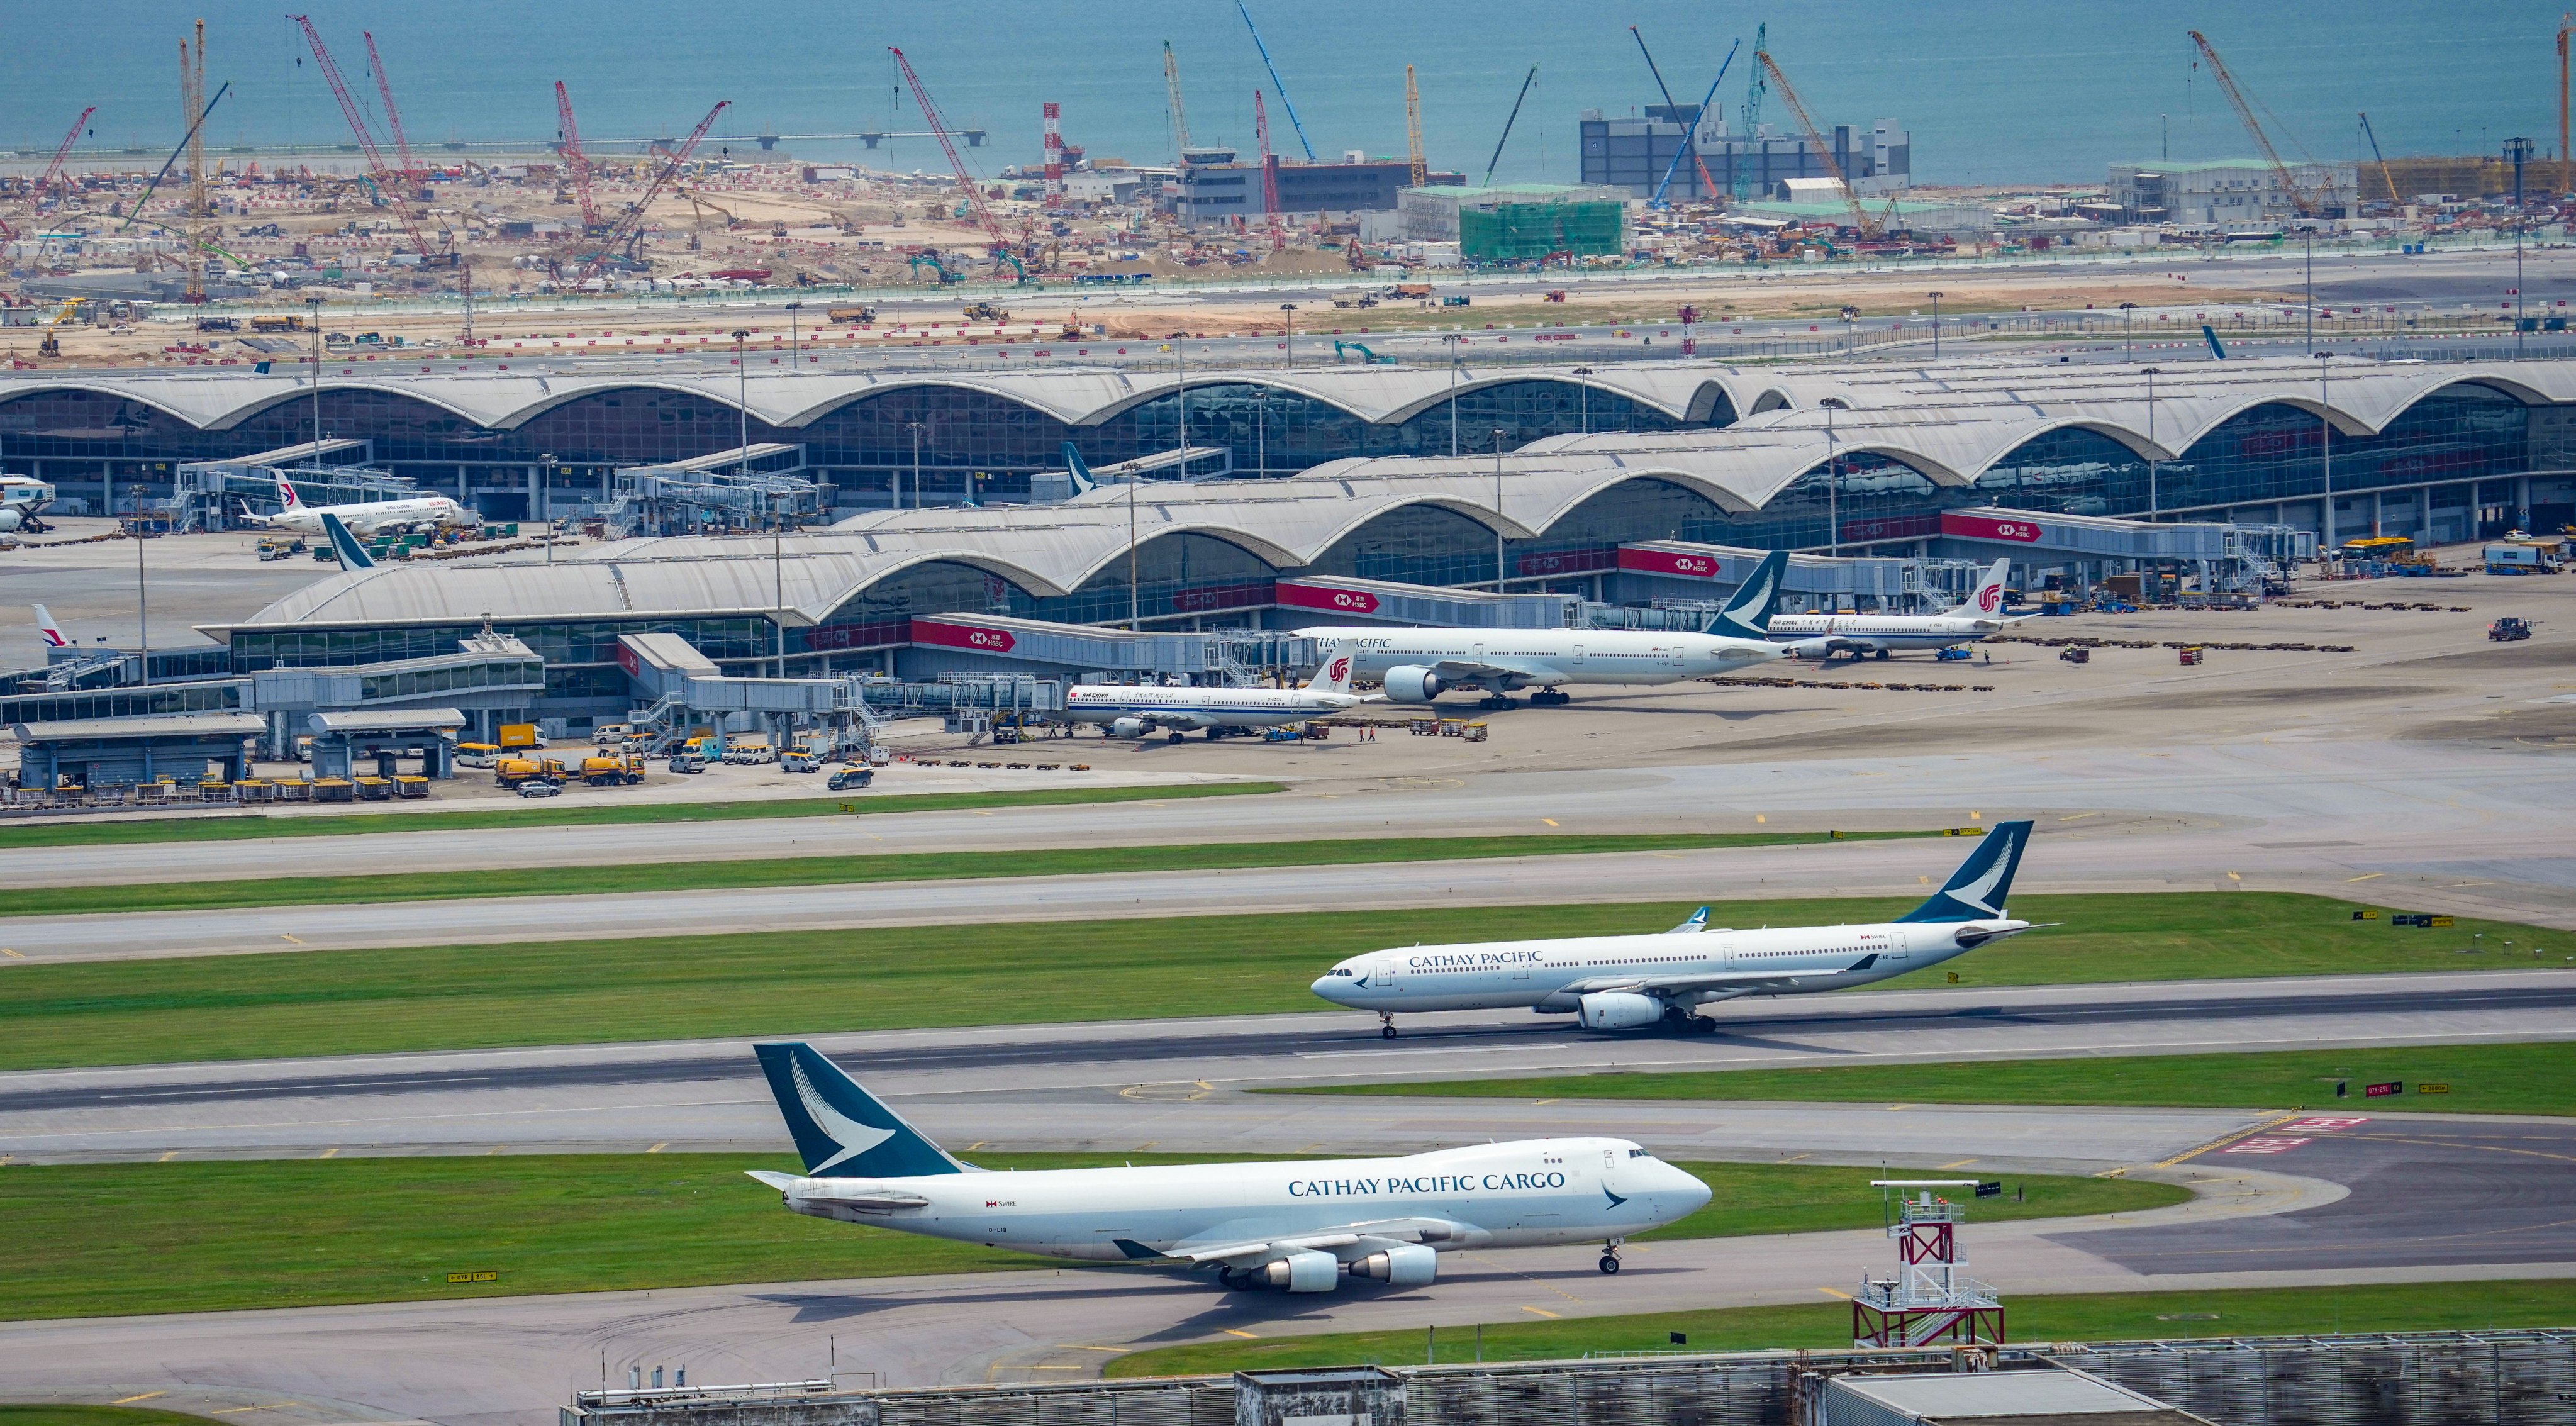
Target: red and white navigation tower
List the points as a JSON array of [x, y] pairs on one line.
[[1054, 156], [1930, 1298]]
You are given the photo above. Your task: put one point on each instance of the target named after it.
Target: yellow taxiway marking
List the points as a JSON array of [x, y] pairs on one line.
[[979, 1143], [2275, 1119], [1548, 820], [1793, 1158], [1547, 1101], [2079, 816], [147, 1396], [2236, 876], [1087, 1347], [299, 941], [1963, 1163], [1829, 1292], [1543, 1312], [238, 1410], [1053, 1367], [165, 1158], [657, 1148], [13, 955], [983, 814], [2365, 876], [1894, 1107], [1236, 1332], [326, 1153], [1758, 817]]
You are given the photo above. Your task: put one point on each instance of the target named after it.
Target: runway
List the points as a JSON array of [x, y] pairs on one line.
[[1178, 1085]]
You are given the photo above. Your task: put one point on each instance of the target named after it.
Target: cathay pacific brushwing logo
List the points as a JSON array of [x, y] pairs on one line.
[[854, 1137], [1978, 893], [1615, 1200]]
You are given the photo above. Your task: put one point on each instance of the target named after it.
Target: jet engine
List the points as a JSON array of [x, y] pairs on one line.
[[1404, 1265], [11, 517], [1618, 1010], [1412, 683], [1127, 728], [1301, 1272]]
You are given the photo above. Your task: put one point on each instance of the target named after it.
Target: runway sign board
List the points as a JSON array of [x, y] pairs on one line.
[[2382, 1091]]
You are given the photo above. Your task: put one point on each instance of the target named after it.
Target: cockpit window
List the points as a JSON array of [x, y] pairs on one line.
[[1639, 1154]]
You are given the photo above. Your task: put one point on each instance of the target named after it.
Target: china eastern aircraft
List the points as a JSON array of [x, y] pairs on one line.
[[1418, 665], [1630, 982], [365, 518], [1297, 1227], [1136, 710], [1821, 636]]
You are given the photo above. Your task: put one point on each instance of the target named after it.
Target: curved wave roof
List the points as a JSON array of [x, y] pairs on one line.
[[1952, 423]]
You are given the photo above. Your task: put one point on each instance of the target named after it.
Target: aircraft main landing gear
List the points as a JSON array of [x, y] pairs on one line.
[[1495, 701], [1550, 698], [1882, 653], [1386, 1025], [1610, 1256]]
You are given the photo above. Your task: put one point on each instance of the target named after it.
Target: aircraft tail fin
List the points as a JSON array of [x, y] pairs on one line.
[[1748, 612], [2216, 352], [1697, 923], [352, 554], [1987, 602], [1333, 675], [49, 630], [839, 1128], [1080, 469], [286, 494], [1976, 891]]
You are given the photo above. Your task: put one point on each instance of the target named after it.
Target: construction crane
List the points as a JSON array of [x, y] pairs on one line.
[[2384, 175], [412, 173], [192, 87], [1275, 82], [385, 174], [2566, 24], [1269, 176], [1675, 166], [939, 129], [577, 161], [2302, 202], [1690, 138], [630, 226], [1421, 173], [54, 169], [1526, 81], [1172, 81], [1753, 90], [1862, 222]]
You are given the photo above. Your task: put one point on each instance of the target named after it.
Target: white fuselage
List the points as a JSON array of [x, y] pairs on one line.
[[1551, 976], [1883, 631], [1548, 657], [369, 517], [1160, 707], [1489, 1195]]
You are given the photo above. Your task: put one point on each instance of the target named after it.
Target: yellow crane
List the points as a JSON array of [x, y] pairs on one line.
[[2302, 202], [1862, 222], [1172, 79], [1413, 128]]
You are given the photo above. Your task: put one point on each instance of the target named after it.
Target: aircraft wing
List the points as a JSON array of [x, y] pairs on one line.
[[1407, 1230], [1741, 982], [1821, 645], [1176, 720], [1459, 673]]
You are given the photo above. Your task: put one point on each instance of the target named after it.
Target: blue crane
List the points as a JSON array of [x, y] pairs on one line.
[[1689, 144], [1526, 82], [1754, 89], [1275, 81]]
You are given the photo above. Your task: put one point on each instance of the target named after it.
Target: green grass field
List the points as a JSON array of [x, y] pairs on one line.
[[113, 1239], [249, 826], [96, 1416], [819, 871], [809, 982], [2477, 1079], [2089, 1317]]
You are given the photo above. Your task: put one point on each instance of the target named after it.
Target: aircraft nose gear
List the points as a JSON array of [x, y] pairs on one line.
[[1386, 1025], [1610, 1257]]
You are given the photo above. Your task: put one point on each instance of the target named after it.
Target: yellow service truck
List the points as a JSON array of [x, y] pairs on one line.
[[619, 770]]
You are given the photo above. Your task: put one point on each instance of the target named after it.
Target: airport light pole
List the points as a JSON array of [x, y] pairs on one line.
[[915, 428], [1291, 309], [792, 360], [2128, 336], [1936, 324], [314, 306], [1453, 339], [2516, 150], [1583, 395], [2151, 373], [1498, 509], [2311, 303], [1833, 482], [536, 503], [2327, 423], [742, 401]]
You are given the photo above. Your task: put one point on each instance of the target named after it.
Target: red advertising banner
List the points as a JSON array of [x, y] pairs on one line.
[[1688, 566], [1221, 596], [962, 636], [1325, 596], [1989, 527]]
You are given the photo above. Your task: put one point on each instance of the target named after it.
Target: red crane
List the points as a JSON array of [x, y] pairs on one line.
[[388, 179], [939, 128], [54, 170], [412, 172], [1269, 175], [575, 159], [634, 218]]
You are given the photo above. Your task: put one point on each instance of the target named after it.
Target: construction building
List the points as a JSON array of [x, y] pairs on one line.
[[2236, 194], [1636, 155], [1518, 221], [2435, 180], [1216, 188]]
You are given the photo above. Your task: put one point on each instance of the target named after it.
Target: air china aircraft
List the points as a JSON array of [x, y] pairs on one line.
[[1821, 636], [364, 518], [1296, 1227], [1418, 665], [1628, 982], [1136, 710]]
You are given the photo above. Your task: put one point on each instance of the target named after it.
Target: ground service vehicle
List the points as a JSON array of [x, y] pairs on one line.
[[799, 760], [687, 763], [510, 772], [518, 735], [750, 750], [477, 755], [2509, 629], [2519, 559], [985, 312], [277, 324], [620, 770], [850, 777], [539, 787], [852, 316]]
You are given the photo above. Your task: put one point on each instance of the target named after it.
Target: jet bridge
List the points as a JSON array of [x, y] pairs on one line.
[[748, 487], [210, 494], [680, 688], [996, 643]]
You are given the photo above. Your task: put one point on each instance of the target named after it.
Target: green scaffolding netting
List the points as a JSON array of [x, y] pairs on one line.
[[1535, 230]]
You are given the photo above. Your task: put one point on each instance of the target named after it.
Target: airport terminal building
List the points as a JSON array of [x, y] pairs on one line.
[[1681, 463]]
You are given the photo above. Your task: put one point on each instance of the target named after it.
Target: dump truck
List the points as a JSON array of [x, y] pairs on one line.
[[277, 324], [852, 316]]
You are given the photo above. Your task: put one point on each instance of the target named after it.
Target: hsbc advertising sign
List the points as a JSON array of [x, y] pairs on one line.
[[1989, 527], [962, 636], [1688, 566], [1325, 596]]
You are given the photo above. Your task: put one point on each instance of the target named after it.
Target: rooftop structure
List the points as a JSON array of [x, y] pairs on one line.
[[1635, 155], [2235, 193]]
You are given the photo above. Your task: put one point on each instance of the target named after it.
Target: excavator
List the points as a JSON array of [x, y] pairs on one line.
[[48, 345]]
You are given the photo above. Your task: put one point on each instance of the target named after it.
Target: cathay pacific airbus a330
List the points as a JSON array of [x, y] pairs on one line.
[[1629, 982], [1296, 1227]]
